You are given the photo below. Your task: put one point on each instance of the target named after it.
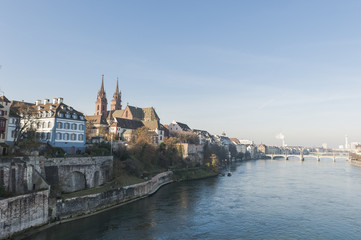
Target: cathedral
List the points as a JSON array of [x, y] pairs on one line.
[[118, 123]]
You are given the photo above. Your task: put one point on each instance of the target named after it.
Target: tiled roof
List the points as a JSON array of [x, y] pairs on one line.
[[118, 113], [96, 119], [152, 125], [150, 114], [127, 123], [56, 108]]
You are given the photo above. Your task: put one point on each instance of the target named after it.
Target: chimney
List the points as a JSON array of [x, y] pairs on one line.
[[46, 101], [37, 102], [55, 100], [60, 100]]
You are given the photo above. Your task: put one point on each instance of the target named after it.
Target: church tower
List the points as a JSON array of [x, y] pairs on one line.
[[101, 103], [117, 99]]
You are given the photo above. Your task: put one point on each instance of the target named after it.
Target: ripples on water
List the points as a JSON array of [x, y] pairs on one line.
[[264, 199]]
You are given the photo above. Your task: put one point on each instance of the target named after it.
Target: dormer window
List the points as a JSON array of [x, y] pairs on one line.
[[63, 107], [75, 116], [67, 115], [60, 114], [70, 109]]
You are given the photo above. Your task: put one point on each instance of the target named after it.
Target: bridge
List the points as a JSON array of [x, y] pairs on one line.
[[318, 157]]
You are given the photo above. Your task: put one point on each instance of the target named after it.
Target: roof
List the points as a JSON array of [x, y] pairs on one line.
[[96, 119], [150, 114], [128, 123], [4, 99], [117, 113], [58, 110], [184, 126], [235, 140], [146, 114], [152, 125]]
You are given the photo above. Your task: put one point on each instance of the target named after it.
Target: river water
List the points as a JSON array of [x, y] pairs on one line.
[[263, 199]]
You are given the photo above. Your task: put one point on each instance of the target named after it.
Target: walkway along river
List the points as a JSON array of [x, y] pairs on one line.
[[264, 199]]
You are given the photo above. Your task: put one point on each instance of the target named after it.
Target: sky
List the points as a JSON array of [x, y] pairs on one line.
[[251, 69]]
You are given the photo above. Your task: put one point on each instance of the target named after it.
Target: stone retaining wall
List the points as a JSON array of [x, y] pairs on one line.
[[90, 203], [22, 212]]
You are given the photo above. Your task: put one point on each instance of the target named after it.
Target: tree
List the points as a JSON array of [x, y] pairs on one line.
[[233, 150], [186, 137], [28, 120]]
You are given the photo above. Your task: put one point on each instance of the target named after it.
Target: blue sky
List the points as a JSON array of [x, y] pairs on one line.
[[250, 68]]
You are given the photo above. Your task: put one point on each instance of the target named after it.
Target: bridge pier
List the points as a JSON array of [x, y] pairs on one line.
[[318, 158], [334, 158], [301, 158]]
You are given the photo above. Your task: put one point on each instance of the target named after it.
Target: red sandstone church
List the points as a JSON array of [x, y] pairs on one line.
[[121, 123]]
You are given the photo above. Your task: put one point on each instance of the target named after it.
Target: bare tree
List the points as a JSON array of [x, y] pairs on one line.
[[28, 120]]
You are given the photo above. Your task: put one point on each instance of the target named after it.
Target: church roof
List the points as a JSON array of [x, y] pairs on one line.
[[152, 125], [127, 123], [96, 119]]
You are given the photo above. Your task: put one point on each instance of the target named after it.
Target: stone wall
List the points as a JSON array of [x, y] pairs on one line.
[[20, 177], [22, 212], [90, 203], [193, 151], [77, 173]]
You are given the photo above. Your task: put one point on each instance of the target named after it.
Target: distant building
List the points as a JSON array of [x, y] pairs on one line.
[[178, 127]]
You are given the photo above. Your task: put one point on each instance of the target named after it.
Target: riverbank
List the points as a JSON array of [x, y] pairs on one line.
[[356, 163], [71, 209], [187, 174]]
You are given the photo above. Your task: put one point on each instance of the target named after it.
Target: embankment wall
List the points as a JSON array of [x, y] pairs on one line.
[[67, 208], [22, 212]]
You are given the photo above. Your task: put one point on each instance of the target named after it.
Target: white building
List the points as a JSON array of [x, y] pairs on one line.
[[178, 127], [59, 125]]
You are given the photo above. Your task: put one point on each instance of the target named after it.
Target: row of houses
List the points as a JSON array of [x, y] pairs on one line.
[[60, 125]]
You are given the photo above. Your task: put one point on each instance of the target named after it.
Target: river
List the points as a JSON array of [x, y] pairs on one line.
[[263, 199]]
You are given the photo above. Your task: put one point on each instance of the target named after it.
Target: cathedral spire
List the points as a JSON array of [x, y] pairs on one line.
[[117, 89], [116, 102], [101, 103]]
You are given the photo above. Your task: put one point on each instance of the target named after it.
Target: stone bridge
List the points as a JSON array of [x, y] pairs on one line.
[[318, 157]]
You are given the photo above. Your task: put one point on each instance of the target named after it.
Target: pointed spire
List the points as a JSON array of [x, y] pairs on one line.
[[117, 89], [102, 87]]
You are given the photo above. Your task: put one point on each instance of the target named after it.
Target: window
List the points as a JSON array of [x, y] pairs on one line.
[[49, 124], [48, 136], [75, 116], [66, 125], [13, 133], [74, 126], [80, 137], [6, 113], [44, 124], [73, 136], [42, 136], [98, 107], [67, 115], [81, 127], [66, 136], [60, 125], [58, 136]]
